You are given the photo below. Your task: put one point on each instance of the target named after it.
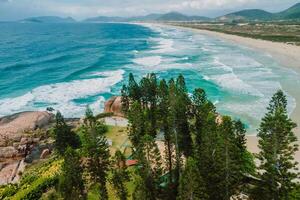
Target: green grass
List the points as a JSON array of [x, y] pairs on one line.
[[119, 137]]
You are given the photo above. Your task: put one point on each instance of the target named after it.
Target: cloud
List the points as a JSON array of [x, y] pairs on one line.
[[14, 9]]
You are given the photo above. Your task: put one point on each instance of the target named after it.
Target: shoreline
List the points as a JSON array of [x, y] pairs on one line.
[[286, 55]]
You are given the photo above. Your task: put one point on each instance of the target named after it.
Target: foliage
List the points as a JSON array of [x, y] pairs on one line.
[[120, 175], [63, 135], [71, 185], [277, 142], [191, 184], [96, 150]]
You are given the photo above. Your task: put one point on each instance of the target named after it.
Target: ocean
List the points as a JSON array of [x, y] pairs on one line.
[[70, 66]]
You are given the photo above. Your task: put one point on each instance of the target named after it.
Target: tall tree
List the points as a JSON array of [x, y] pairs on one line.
[[191, 184], [71, 184], [245, 158], [125, 99], [134, 91], [136, 119], [95, 148], [150, 170], [173, 131], [181, 117], [201, 108], [148, 88], [164, 121], [120, 175], [277, 143], [63, 135]]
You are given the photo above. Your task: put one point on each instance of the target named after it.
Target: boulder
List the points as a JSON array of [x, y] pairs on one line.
[[114, 105], [45, 153], [13, 125], [8, 152]]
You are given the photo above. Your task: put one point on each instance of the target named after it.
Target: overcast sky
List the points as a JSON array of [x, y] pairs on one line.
[[80, 9]]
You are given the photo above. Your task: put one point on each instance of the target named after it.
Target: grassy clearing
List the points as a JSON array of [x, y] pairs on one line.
[[118, 136]]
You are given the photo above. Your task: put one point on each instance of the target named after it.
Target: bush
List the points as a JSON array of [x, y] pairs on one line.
[[36, 189], [8, 191]]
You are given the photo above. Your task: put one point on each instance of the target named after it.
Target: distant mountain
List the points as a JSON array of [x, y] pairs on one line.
[[106, 19], [291, 13], [176, 16], [172, 16], [49, 19], [250, 14]]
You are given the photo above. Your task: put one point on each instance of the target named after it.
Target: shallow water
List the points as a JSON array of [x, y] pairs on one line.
[[70, 66]]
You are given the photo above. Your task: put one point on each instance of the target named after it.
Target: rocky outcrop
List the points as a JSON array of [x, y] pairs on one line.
[[114, 105], [21, 140]]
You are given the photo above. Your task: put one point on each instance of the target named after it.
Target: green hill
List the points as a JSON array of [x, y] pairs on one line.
[[250, 14], [176, 16], [291, 13]]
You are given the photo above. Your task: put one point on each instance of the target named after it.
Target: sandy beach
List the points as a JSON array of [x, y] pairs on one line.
[[285, 54]]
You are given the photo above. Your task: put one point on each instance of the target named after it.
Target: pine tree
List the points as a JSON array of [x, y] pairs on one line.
[[191, 184], [96, 150], [277, 143], [173, 131], [71, 185], [232, 156], [164, 120], [150, 170], [148, 88], [120, 175], [181, 117], [134, 91], [125, 99], [201, 108], [136, 121], [245, 158], [63, 135]]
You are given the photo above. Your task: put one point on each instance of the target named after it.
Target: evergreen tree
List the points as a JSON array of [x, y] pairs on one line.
[[136, 121], [277, 143], [164, 120], [148, 88], [201, 108], [245, 158], [96, 150], [232, 156], [120, 176], [134, 91], [63, 135], [181, 117], [71, 185], [125, 99], [173, 131], [192, 186], [149, 171]]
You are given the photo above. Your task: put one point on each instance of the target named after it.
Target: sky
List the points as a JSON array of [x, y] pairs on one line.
[[81, 9]]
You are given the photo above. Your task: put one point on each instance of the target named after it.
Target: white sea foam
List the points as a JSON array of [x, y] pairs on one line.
[[149, 61], [164, 45], [61, 95], [232, 82]]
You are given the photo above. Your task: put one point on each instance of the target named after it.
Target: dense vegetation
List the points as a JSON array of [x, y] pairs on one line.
[[286, 32], [184, 150]]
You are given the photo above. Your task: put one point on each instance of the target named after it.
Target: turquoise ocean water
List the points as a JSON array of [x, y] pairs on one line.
[[70, 66]]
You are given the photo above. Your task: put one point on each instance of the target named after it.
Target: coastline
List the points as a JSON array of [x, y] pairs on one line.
[[285, 54]]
